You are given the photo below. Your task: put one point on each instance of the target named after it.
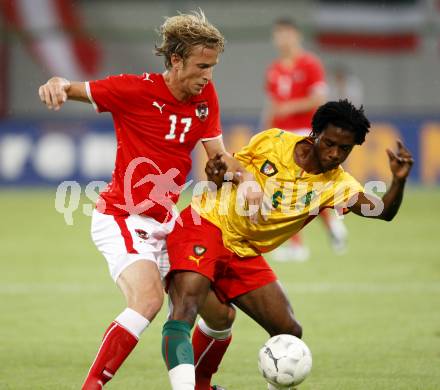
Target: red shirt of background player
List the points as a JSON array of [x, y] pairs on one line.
[[157, 130], [295, 82]]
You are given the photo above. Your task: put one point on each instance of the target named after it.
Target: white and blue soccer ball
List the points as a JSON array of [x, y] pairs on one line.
[[284, 361]]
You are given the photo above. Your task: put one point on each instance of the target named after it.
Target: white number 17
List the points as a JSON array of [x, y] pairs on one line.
[[172, 133]]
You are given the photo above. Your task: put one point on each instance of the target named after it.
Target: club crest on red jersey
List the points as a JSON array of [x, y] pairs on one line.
[[268, 168], [202, 110], [141, 234]]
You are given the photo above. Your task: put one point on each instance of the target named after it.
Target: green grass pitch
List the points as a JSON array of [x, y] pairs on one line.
[[371, 317]]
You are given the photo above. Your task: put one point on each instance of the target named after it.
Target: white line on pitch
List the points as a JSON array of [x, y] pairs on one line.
[[291, 287]]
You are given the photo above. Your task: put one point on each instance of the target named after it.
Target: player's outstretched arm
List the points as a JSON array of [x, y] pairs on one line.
[[218, 155], [216, 169], [400, 165], [221, 162], [57, 90]]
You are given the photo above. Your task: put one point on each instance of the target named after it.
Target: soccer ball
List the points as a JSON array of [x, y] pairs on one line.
[[284, 361]]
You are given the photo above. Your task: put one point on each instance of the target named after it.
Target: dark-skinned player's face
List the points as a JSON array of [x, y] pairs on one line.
[[195, 72], [333, 145]]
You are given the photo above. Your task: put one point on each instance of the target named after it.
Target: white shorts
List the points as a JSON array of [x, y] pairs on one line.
[[124, 240]]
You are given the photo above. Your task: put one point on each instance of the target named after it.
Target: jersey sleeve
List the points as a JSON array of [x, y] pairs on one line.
[[259, 144], [213, 127], [315, 76], [113, 94], [346, 189]]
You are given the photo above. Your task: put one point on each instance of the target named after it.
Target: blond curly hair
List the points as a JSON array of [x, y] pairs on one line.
[[182, 32]]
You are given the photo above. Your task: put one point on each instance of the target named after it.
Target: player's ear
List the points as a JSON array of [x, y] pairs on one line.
[[176, 61]]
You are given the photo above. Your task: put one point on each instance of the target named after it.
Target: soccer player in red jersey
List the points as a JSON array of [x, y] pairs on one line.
[[296, 86], [158, 119]]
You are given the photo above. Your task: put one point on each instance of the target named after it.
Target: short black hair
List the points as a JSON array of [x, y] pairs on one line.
[[341, 114], [286, 22]]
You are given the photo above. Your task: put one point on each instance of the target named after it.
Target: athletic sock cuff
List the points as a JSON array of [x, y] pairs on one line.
[[176, 327], [176, 345], [134, 322], [215, 334]]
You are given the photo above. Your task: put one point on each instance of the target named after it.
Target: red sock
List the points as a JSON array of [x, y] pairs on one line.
[[325, 216], [208, 353], [116, 345], [296, 240]]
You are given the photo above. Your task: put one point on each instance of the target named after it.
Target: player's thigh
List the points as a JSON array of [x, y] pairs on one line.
[[193, 256], [217, 315], [133, 246], [270, 307], [141, 281], [124, 240]]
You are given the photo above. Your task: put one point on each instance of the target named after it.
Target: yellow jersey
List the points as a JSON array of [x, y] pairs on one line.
[[292, 197]]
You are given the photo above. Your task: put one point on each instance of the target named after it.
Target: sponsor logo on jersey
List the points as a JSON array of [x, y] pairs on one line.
[[198, 250], [157, 105], [141, 234], [202, 110], [147, 77], [268, 168], [195, 259]]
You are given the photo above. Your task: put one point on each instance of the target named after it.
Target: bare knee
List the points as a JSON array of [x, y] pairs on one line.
[[185, 308], [142, 288], [229, 318], [146, 303], [188, 292], [221, 320]]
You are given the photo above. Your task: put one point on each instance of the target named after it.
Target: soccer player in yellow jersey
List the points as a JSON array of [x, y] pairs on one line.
[[217, 246]]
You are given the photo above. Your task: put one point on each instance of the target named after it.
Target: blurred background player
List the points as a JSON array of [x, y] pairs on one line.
[[295, 87]]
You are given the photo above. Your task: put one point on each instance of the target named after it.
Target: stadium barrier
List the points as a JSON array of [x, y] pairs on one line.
[[47, 152]]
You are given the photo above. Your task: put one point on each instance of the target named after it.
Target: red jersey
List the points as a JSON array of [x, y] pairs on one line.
[[155, 135], [295, 82]]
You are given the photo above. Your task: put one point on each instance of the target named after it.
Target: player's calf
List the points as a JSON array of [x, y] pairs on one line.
[[187, 291], [142, 288], [291, 327], [284, 323], [119, 340], [211, 339], [270, 307]]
